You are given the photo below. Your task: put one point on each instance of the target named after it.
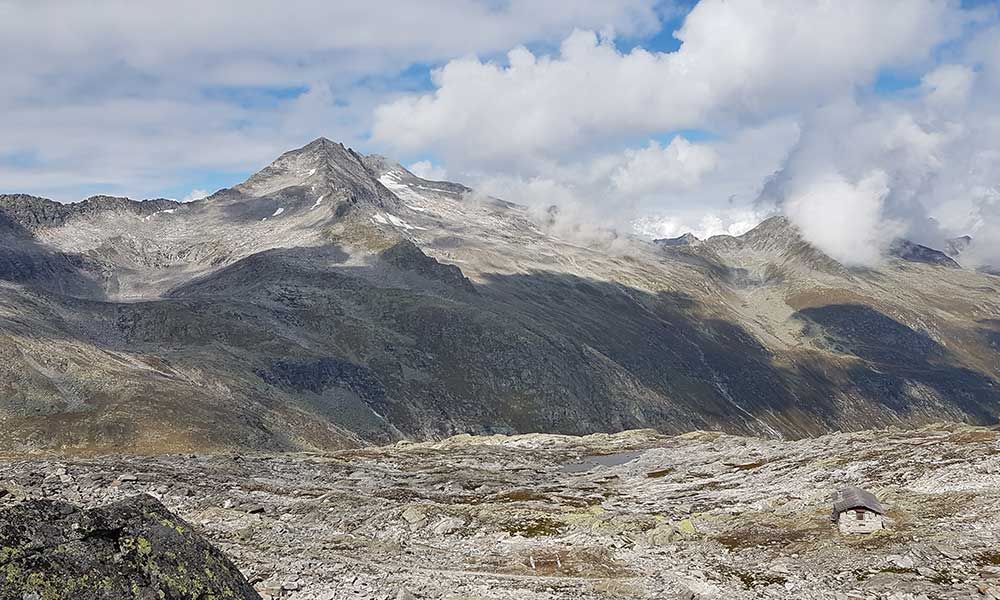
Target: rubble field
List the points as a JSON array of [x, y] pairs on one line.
[[538, 517]]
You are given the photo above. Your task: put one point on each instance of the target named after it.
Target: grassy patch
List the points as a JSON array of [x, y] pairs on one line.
[[750, 537], [361, 235], [752, 579], [533, 527], [520, 495]]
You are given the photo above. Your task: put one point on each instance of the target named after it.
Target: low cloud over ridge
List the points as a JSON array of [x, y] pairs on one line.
[[878, 116], [868, 161]]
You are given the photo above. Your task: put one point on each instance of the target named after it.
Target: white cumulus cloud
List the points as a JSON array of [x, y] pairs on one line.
[[130, 98], [738, 60], [195, 194], [924, 165], [843, 218], [428, 170], [854, 166], [680, 164], [722, 222]]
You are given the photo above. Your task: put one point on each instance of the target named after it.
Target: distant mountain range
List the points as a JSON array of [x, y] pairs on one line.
[[336, 299]]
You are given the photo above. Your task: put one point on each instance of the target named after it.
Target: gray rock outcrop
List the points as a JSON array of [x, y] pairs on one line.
[[134, 549]]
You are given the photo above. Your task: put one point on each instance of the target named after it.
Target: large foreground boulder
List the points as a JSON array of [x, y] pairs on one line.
[[135, 548]]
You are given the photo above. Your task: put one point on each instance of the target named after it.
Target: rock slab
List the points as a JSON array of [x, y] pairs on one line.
[[134, 548]]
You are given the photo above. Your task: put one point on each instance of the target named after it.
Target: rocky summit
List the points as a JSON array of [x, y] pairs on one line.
[[638, 514], [334, 300]]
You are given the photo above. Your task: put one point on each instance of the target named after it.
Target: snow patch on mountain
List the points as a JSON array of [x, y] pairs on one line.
[[390, 219], [403, 192], [168, 211]]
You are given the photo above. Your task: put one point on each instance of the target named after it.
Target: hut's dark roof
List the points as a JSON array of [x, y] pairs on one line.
[[852, 497]]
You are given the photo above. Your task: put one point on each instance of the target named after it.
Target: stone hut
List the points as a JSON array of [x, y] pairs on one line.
[[857, 511]]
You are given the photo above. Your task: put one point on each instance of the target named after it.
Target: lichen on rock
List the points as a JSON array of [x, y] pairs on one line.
[[134, 548]]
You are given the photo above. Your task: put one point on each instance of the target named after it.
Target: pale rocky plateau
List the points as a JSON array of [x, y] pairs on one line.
[[635, 514]]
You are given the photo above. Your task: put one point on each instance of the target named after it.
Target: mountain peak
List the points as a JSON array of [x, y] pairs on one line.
[[321, 166], [687, 239], [778, 225], [771, 233], [321, 141], [775, 240], [322, 144], [323, 149]]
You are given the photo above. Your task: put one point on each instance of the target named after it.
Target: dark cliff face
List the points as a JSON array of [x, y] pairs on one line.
[[32, 212], [334, 300], [909, 251], [132, 549]]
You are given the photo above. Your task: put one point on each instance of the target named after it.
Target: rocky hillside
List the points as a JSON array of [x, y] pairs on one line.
[[335, 299], [638, 515]]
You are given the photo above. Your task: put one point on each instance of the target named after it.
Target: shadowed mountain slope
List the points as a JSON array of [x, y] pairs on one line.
[[335, 299]]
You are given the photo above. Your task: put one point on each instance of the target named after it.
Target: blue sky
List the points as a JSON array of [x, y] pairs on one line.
[[597, 106], [250, 104]]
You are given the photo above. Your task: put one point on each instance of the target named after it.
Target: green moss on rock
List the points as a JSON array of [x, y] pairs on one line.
[[132, 549]]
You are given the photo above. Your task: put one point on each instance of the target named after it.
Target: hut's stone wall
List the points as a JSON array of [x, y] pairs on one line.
[[859, 520]]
